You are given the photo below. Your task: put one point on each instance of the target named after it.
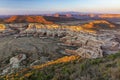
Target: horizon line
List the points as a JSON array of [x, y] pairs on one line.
[[58, 12]]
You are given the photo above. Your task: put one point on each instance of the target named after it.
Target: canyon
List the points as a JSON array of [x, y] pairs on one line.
[[31, 40]]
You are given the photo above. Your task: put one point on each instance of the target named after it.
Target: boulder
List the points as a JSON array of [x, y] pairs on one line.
[[15, 61]]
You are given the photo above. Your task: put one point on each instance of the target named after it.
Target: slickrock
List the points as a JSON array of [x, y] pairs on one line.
[[14, 63], [93, 45], [90, 52]]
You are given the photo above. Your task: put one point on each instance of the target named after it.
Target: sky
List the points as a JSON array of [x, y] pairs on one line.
[[50, 6]]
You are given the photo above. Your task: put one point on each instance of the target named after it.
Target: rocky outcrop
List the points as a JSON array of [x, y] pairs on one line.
[[15, 61], [99, 24], [53, 30], [40, 61], [18, 26], [14, 64], [93, 45], [2, 27], [33, 49], [90, 52]]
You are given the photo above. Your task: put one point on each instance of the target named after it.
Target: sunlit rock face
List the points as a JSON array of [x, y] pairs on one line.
[[59, 29], [27, 19], [11, 19], [99, 24], [43, 28], [2, 27], [109, 16]]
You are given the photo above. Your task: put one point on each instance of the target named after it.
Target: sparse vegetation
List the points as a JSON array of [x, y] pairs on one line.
[[106, 68]]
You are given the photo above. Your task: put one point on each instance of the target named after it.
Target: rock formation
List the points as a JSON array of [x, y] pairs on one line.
[[27, 19], [89, 42], [37, 43], [14, 63], [109, 16]]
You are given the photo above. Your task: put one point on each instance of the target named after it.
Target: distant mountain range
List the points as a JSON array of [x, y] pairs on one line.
[[73, 13], [78, 15], [58, 17], [82, 15], [4, 16]]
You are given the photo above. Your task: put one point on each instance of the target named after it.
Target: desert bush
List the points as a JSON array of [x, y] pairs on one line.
[[106, 68]]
